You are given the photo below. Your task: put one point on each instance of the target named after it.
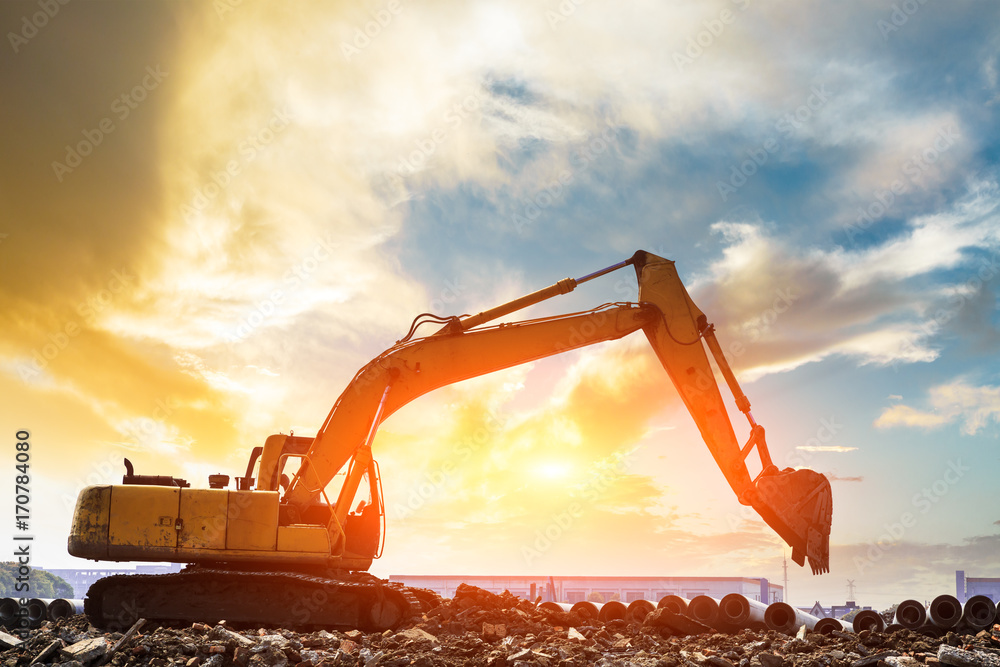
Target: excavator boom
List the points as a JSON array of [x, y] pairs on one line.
[[797, 504], [258, 551]]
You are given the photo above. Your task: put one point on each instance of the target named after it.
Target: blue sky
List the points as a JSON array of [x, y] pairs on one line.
[[287, 192]]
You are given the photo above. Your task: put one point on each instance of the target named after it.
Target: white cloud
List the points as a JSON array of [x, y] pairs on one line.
[[974, 407]]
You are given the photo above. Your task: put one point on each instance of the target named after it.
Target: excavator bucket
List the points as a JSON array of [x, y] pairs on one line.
[[798, 505]]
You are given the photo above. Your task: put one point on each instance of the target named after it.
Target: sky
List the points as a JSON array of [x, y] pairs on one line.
[[213, 214]]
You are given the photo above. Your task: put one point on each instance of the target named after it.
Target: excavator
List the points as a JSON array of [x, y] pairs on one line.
[[277, 550]]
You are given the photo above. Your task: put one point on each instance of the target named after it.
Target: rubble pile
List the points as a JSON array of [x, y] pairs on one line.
[[480, 628]]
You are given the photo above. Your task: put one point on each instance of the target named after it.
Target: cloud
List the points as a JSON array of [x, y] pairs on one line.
[[781, 306], [958, 401], [837, 478]]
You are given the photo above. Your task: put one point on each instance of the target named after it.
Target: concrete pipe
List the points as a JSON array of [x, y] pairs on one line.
[[638, 610], [783, 617], [757, 627], [38, 611], [910, 614], [931, 630], [587, 608], [978, 612], [826, 626], [64, 608], [704, 609], [8, 612], [545, 606], [612, 611], [894, 627], [739, 611], [866, 619], [674, 603], [945, 611]]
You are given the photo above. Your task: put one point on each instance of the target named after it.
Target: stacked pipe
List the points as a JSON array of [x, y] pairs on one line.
[[36, 611], [736, 612]]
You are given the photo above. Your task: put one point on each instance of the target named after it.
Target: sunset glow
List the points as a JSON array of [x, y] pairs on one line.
[[291, 191]]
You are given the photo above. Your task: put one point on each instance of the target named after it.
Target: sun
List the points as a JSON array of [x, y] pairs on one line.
[[552, 469]]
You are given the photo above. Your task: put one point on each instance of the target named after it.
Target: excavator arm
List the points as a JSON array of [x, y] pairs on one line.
[[796, 503]]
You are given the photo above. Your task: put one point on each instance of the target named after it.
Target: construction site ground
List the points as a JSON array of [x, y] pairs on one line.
[[480, 628]]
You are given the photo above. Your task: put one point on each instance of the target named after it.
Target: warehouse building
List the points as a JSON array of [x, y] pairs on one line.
[[577, 589], [966, 587]]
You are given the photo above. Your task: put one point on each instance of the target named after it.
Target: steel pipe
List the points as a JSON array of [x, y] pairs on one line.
[[674, 603], [612, 611], [910, 614], [978, 612], [945, 611], [826, 626], [587, 608], [866, 619], [740, 611], [638, 610], [783, 617]]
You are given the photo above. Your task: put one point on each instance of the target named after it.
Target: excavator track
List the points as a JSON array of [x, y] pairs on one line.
[[277, 599]]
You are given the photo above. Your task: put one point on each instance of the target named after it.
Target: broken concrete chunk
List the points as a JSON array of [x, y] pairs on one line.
[[8, 641], [902, 661], [949, 655], [874, 659], [416, 634], [270, 656], [86, 651], [48, 651], [222, 634]]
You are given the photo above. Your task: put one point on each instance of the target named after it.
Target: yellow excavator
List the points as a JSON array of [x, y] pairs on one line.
[[291, 547]]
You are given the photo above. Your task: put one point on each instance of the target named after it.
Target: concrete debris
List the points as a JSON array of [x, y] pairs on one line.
[[957, 657], [8, 641], [483, 629], [86, 651]]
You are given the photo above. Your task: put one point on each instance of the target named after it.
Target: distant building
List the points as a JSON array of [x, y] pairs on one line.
[[966, 587], [81, 580], [834, 611], [627, 589]]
